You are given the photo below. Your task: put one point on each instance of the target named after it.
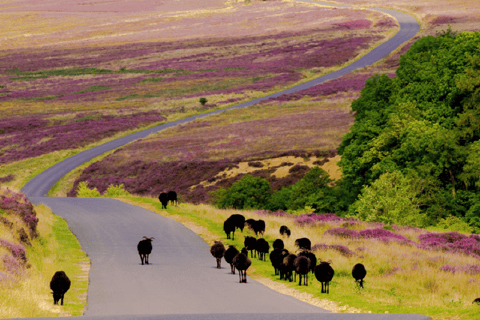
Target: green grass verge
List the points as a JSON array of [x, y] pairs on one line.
[[55, 249]]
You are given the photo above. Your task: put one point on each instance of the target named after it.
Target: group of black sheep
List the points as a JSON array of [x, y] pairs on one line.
[[286, 264]]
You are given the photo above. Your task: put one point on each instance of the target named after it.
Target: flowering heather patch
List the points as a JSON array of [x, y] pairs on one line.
[[7, 178], [349, 82], [337, 247], [355, 24], [153, 70], [472, 269], [33, 136], [311, 218], [451, 242], [12, 265], [17, 250], [343, 233], [377, 233], [18, 204]]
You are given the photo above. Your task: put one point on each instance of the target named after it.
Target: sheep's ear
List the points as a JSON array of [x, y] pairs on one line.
[[330, 261]]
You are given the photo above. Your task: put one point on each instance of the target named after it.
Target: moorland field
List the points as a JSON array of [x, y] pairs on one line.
[[75, 74]]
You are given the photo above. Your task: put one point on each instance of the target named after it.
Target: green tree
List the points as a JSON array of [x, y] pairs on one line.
[[391, 199], [247, 193]]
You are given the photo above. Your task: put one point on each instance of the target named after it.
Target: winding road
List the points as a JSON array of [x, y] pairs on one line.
[[181, 282]]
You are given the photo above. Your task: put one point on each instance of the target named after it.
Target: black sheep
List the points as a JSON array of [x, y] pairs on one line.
[[218, 250], [172, 197], [324, 274], [284, 230], [359, 273], [144, 248], [238, 221], [313, 259], [276, 258], [278, 244], [59, 285], [476, 301], [257, 226], [163, 197], [230, 253], [242, 262], [229, 227], [288, 266], [282, 268], [302, 267], [250, 243], [303, 243], [262, 248]]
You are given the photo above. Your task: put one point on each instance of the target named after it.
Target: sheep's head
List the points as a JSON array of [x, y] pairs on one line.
[[149, 239]]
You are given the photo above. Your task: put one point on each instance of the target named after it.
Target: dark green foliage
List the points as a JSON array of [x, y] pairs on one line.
[[424, 123], [203, 101], [247, 193]]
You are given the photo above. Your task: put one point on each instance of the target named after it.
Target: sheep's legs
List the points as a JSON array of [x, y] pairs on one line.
[[232, 268], [218, 263]]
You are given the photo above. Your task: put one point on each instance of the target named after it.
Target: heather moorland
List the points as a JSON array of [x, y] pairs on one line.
[[80, 73]]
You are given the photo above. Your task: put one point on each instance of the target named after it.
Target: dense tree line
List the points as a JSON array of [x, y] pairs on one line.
[[412, 155]]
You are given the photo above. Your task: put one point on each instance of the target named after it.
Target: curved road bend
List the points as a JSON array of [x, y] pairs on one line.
[[181, 282]]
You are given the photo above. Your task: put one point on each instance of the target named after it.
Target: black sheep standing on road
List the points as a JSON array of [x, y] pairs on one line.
[[324, 274], [144, 248], [229, 255], [163, 197], [218, 250], [242, 262], [59, 285], [359, 272]]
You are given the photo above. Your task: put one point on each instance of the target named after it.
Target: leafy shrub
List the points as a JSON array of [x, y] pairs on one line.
[[247, 193], [115, 191], [203, 101], [84, 192]]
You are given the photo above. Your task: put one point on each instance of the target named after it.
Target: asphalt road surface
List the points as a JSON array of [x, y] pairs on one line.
[[182, 281]]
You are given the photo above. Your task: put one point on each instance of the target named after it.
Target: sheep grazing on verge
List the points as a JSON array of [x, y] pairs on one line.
[[238, 221], [359, 273], [250, 243], [324, 274], [313, 259], [218, 250], [278, 244], [172, 197], [288, 266], [242, 262], [303, 244], [163, 197], [282, 268], [302, 267], [229, 227], [144, 248], [476, 301], [275, 256], [262, 248], [59, 285], [229, 255], [284, 230], [257, 226]]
